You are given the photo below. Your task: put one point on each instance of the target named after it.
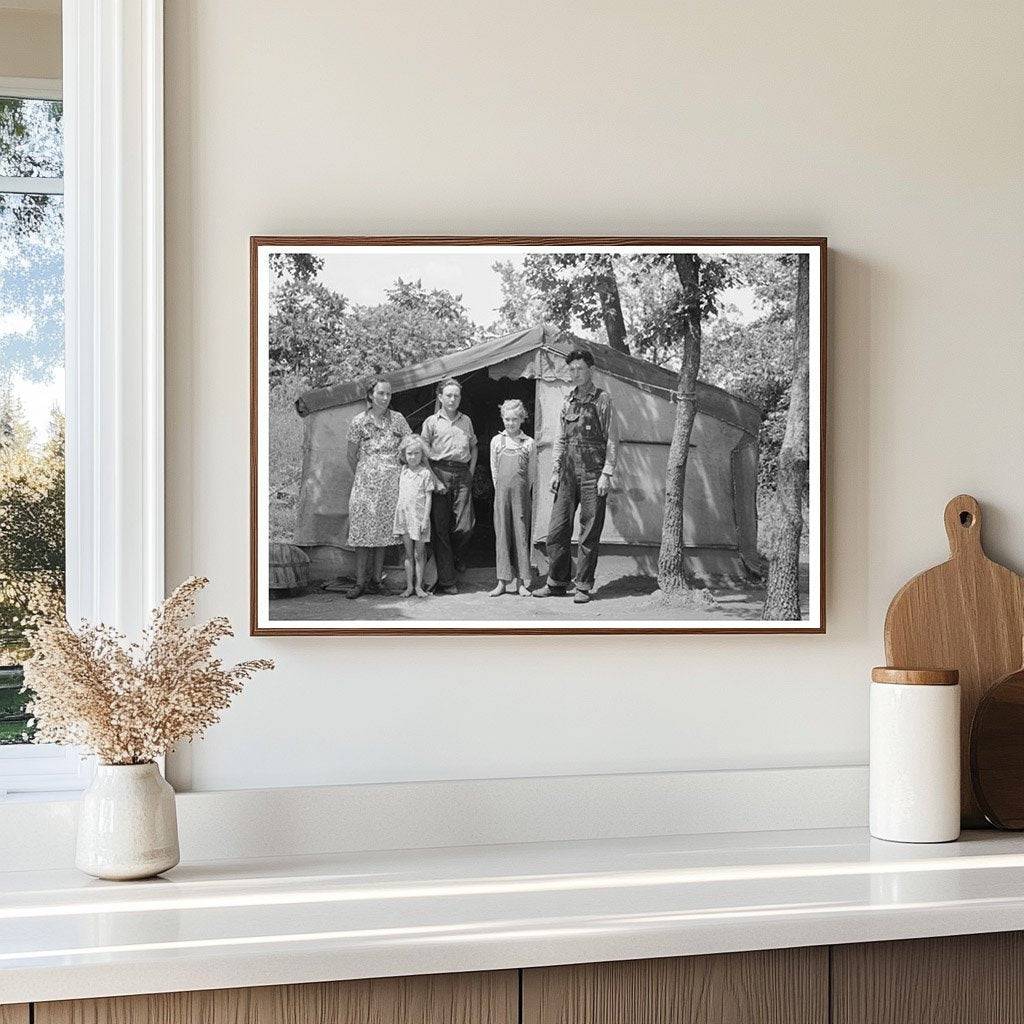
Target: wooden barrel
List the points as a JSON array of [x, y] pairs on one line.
[[289, 568]]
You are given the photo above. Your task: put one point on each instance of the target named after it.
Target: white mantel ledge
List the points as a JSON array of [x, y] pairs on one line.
[[355, 915]]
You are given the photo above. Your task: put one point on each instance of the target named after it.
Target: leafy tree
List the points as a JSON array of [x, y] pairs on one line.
[[773, 279], [31, 347], [581, 287], [16, 434], [753, 361], [285, 455], [307, 327], [32, 288], [672, 572], [316, 335], [700, 282], [31, 142], [576, 291], [31, 145], [441, 305], [522, 304], [296, 266], [649, 289], [31, 242], [411, 325], [782, 597], [31, 525]]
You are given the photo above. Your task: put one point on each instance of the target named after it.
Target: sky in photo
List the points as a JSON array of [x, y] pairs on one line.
[[364, 277]]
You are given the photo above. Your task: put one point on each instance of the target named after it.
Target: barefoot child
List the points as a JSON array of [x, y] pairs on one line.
[[513, 469], [412, 515]]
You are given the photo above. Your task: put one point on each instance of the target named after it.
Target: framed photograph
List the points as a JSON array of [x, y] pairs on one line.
[[537, 435]]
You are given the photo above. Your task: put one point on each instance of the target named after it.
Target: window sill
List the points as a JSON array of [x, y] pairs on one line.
[[37, 772]]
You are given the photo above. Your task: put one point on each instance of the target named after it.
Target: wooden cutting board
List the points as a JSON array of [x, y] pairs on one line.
[[967, 614]]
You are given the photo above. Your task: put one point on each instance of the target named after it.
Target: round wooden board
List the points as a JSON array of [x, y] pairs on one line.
[[997, 752]]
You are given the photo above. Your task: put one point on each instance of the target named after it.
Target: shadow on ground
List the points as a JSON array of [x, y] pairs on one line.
[[618, 596]]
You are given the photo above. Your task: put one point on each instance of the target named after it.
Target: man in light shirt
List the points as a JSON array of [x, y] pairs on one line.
[[451, 441]]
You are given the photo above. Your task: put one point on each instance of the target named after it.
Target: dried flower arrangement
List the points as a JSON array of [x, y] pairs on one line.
[[130, 703]]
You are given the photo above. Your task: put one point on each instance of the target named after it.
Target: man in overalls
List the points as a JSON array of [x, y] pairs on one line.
[[584, 460]]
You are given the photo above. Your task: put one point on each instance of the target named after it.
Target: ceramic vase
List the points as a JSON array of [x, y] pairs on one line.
[[127, 825]]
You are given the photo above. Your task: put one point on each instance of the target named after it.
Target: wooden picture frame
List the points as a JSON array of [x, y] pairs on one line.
[[345, 302]]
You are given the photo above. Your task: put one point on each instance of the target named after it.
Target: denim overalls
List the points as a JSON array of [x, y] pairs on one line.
[[586, 448]]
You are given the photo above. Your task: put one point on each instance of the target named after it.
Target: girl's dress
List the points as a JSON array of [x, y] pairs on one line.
[[514, 469], [412, 516], [371, 505]]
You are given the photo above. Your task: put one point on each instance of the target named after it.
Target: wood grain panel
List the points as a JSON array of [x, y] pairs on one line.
[[962, 979], [14, 1013], [480, 998], [965, 614], [778, 986]]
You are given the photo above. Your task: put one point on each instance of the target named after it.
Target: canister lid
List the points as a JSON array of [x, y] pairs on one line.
[[916, 676]]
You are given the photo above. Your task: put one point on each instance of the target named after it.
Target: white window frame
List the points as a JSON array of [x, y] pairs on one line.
[[32, 88], [114, 332]]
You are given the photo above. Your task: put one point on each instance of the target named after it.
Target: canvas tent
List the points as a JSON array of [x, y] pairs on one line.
[[720, 511]]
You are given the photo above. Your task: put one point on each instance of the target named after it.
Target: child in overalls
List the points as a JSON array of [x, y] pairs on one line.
[[513, 470]]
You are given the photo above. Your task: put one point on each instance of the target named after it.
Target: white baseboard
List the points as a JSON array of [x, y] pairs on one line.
[[235, 824]]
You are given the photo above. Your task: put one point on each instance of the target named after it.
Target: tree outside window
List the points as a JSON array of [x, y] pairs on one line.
[[31, 386]]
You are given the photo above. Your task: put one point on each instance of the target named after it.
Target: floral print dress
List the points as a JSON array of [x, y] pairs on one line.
[[412, 517], [374, 497]]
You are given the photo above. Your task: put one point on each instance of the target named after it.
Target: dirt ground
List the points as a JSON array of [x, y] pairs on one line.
[[618, 595]]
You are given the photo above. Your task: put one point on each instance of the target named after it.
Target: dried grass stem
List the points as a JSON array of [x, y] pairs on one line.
[[129, 703]]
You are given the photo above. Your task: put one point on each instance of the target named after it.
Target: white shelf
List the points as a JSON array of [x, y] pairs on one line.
[[351, 915]]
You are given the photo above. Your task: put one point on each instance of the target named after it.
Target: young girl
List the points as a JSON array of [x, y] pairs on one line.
[[513, 469], [412, 515]]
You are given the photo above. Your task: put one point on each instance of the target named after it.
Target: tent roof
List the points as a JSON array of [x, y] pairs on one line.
[[710, 399]]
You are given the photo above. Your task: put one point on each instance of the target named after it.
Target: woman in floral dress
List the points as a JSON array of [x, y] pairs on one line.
[[374, 437]]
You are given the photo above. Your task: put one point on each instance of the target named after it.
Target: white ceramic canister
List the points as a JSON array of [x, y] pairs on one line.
[[915, 755], [127, 823]]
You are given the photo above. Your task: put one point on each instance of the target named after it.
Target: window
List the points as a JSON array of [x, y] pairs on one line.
[[32, 513], [109, 207]]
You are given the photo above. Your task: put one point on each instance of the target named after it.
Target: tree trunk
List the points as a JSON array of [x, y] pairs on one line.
[[672, 570], [782, 596], [611, 307]]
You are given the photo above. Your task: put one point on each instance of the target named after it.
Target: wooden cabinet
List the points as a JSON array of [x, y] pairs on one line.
[[970, 979], [962, 979], [482, 998], [777, 986]]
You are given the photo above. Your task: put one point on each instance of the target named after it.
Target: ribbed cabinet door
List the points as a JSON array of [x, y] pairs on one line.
[[480, 998], [777, 986], [961, 979], [14, 1013]]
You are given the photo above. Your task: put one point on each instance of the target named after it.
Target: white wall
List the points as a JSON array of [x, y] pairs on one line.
[[895, 129]]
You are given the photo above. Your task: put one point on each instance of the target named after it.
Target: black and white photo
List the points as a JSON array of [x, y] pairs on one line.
[[537, 435]]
